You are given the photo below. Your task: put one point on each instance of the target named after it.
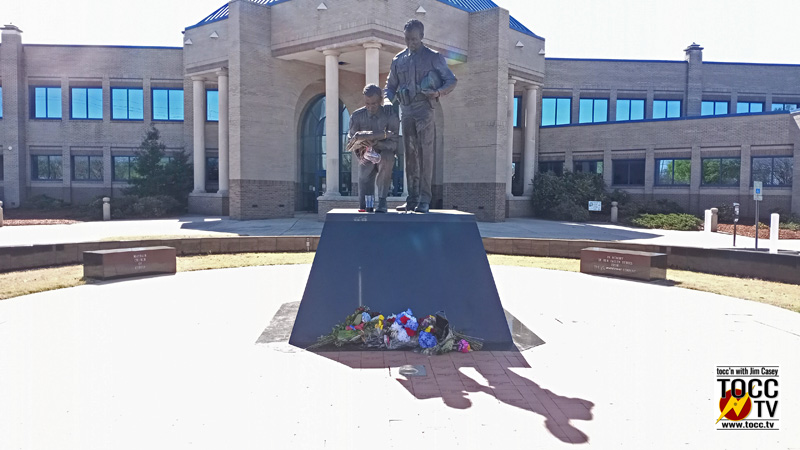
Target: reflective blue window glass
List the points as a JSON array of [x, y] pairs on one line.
[[593, 110], [659, 109], [87, 103], [637, 110], [176, 104], [585, 111], [785, 106], [623, 110], [563, 111], [712, 108], [212, 105], [666, 109], [47, 103], [548, 111], [168, 104], [127, 104], [630, 109], [749, 107], [556, 111], [673, 108]]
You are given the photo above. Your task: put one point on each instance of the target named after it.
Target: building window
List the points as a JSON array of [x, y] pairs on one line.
[[212, 105], [127, 104], [212, 169], [517, 111], [588, 166], [666, 109], [47, 102], [749, 107], [721, 171], [773, 170], [87, 103], [556, 167], [785, 106], [1, 102], [673, 172], [46, 167], [628, 172], [87, 168], [123, 168], [556, 111], [709, 108], [630, 110], [593, 110], [168, 104]]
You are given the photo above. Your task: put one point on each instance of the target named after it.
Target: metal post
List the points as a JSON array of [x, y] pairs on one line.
[[1, 214], [756, 224]]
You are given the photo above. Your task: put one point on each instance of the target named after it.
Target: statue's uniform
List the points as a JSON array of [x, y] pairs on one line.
[[384, 120], [407, 79]]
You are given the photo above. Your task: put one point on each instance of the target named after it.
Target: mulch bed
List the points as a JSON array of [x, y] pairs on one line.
[[750, 231], [20, 217]]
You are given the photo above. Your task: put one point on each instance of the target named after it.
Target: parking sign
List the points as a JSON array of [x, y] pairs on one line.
[[757, 190]]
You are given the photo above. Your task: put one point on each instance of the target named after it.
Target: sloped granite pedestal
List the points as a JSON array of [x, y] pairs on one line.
[[390, 262]]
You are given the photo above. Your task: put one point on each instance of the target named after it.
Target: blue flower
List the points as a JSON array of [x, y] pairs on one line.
[[427, 340]]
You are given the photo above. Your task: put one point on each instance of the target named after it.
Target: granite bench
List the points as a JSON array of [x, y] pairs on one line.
[[128, 262], [624, 263]]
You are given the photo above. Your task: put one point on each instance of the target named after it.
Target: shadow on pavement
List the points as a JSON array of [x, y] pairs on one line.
[[458, 377]]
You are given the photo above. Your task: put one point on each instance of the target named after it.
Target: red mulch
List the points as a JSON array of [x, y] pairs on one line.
[[750, 231], [19, 217]]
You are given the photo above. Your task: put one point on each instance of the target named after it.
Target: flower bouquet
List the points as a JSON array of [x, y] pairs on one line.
[[433, 335]]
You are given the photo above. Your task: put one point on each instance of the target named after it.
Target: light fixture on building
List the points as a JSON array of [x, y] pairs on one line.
[[541, 52], [188, 41], [322, 7], [421, 10], [213, 35], [520, 44]]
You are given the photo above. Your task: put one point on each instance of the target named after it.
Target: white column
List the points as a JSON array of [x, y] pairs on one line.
[[331, 123], [199, 122], [510, 158], [373, 63], [222, 83], [530, 153]]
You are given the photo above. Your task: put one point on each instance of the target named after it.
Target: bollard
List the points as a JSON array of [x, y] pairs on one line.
[[1, 214], [714, 219], [106, 208], [614, 212], [707, 222], [774, 229]]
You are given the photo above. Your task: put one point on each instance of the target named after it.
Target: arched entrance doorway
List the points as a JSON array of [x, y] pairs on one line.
[[313, 151]]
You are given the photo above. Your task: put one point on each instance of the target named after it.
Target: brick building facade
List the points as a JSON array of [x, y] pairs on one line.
[[247, 96]]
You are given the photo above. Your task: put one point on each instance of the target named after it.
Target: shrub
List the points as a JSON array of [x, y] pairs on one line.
[[45, 202], [566, 196], [156, 206], [631, 210], [682, 222]]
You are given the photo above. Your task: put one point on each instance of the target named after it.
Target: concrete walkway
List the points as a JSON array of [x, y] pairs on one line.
[[307, 224], [172, 362]]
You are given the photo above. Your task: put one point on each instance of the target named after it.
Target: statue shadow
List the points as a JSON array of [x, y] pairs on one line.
[[457, 378]]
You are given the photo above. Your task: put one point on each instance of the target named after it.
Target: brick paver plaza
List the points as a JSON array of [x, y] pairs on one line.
[[174, 362]]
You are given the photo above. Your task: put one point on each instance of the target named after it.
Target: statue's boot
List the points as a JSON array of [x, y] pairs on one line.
[[382, 208], [422, 207], [407, 206]]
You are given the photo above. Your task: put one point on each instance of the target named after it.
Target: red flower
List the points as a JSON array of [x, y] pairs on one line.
[[403, 319], [410, 332], [359, 326]]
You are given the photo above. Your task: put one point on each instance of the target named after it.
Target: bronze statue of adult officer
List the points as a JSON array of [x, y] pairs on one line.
[[417, 78]]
